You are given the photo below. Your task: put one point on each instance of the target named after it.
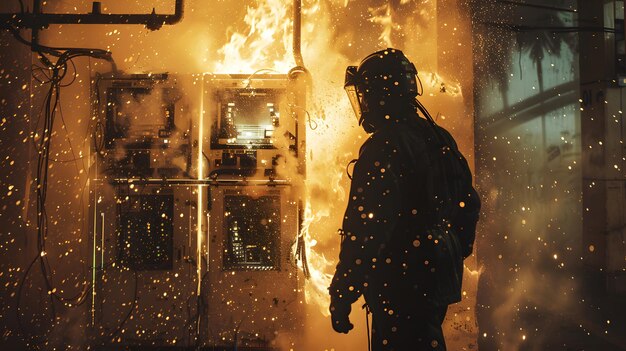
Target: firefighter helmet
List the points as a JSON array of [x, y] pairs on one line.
[[383, 79]]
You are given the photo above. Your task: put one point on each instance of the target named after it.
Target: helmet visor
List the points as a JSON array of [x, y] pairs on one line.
[[352, 91]]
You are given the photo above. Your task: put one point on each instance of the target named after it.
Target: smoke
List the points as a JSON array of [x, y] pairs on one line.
[[141, 111]]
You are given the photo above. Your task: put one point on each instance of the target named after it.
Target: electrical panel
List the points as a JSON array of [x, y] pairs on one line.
[[143, 129], [144, 265], [192, 218], [255, 124], [143, 213], [253, 286]]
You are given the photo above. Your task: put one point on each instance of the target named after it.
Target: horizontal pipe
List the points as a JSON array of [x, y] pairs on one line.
[[45, 19], [202, 182], [40, 20]]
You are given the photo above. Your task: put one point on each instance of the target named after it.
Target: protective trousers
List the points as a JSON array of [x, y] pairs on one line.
[[417, 330]]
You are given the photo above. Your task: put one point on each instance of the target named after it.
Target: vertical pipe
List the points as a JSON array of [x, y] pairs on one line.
[[95, 223], [199, 215], [93, 260], [35, 28], [297, 32], [208, 226], [102, 242], [178, 11]]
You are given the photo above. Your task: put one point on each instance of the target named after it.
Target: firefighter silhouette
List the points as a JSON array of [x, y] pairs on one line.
[[411, 216]]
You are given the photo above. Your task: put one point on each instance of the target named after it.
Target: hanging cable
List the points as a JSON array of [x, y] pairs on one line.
[[366, 307], [52, 73], [348, 168], [300, 253]]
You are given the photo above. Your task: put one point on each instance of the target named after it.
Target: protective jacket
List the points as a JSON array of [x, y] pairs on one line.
[[410, 220]]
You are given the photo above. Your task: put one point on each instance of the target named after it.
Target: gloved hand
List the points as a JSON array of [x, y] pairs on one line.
[[339, 314]]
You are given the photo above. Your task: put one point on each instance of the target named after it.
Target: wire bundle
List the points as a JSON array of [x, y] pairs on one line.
[[52, 73]]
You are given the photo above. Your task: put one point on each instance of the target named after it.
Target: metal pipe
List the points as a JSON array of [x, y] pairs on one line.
[[34, 33], [297, 32], [102, 242], [38, 20], [203, 182], [93, 258]]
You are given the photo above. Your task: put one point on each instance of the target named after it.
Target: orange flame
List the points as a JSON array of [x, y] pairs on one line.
[[267, 43], [316, 287], [382, 16]]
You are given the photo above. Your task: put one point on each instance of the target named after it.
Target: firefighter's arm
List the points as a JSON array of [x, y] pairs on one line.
[[370, 218]]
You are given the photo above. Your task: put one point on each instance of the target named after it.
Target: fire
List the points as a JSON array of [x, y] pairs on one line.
[[320, 268], [333, 136], [267, 43], [382, 16]]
